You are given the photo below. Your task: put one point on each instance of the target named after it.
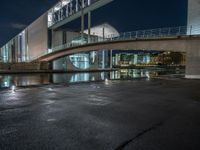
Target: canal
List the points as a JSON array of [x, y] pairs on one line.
[[38, 79]]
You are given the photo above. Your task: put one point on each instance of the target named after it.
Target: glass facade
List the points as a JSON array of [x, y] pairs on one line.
[[4, 53], [22, 50], [80, 61], [15, 50], [84, 61]]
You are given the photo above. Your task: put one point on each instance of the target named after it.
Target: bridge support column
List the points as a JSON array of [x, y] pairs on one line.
[[82, 19], [59, 64], [111, 60], [89, 26], [193, 64], [103, 59]]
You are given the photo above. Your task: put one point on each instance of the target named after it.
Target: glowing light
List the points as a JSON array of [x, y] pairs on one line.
[[50, 50], [50, 89], [57, 7], [13, 88], [65, 2], [106, 81]]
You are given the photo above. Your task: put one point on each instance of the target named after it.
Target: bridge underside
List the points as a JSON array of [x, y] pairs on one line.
[[121, 59]]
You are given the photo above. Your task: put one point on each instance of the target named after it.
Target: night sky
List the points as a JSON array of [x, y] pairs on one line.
[[124, 15]]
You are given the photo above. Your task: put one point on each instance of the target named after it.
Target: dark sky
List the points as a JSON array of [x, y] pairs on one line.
[[125, 15]]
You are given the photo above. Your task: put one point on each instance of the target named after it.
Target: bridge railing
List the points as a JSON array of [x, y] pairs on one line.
[[140, 34], [152, 33]]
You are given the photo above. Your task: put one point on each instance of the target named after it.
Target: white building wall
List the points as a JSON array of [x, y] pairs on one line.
[[57, 38], [38, 37], [71, 35], [193, 16]]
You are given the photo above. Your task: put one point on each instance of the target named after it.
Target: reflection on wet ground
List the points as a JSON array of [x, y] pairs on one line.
[[7, 81]]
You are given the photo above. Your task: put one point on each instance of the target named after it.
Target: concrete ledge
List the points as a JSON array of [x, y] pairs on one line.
[[192, 76], [52, 71], [24, 66]]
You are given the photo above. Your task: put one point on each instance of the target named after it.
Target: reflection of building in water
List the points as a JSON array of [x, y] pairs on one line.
[[146, 58], [133, 73], [82, 77], [5, 81], [79, 77], [40, 79], [24, 80]]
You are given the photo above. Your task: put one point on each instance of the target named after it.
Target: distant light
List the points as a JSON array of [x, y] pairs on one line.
[[57, 8], [106, 81], [50, 50], [50, 89], [65, 2], [51, 120], [6, 84], [93, 78]]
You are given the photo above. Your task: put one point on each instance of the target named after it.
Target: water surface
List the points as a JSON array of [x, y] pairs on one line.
[[23, 80]]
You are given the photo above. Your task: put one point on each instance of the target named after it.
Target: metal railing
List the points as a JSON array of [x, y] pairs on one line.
[[154, 33], [140, 34]]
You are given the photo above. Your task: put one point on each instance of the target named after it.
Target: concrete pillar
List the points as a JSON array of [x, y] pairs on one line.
[[82, 23], [89, 2], [103, 59], [135, 59], [67, 10], [103, 33], [193, 64], [60, 64], [89, 26], [70, 8], [111, 61], [76, 5]]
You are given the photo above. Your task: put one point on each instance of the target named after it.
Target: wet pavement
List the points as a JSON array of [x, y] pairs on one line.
[[140, 114]]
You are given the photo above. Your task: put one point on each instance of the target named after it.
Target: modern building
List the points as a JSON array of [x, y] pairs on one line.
[[46, 33]]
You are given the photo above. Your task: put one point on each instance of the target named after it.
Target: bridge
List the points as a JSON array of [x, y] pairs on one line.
[[174, 39], [178, 39], [174, 44]]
